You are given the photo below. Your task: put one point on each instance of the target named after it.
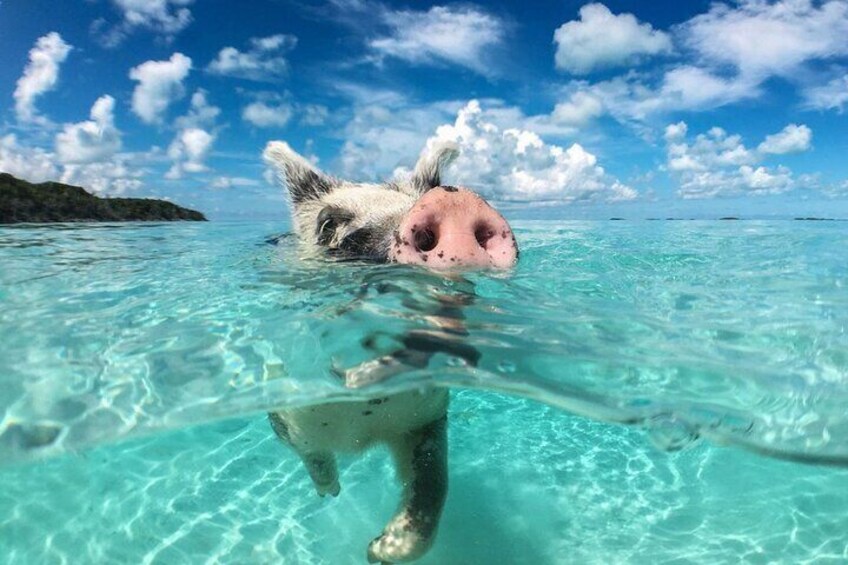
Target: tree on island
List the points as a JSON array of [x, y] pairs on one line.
[[22, 201]]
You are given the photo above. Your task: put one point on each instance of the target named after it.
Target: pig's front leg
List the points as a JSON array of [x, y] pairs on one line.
[[321, 465], [323, 472], [448, 336], [421, 459]]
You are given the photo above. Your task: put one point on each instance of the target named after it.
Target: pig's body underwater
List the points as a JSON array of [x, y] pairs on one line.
[[417, 222]]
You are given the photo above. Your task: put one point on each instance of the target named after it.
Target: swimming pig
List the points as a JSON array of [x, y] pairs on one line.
[[419, 222]]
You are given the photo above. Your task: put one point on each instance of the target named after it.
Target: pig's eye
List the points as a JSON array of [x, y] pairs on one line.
[[330, 219], [360, 243], [425, 240]]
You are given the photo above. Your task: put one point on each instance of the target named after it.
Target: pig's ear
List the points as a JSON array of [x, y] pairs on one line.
[[428, 170], [303, 180]]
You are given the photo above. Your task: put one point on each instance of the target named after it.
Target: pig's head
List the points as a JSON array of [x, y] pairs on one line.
[[418, 221]]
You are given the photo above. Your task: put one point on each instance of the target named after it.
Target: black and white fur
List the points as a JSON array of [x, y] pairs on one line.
[[358, 220], [347, 219]]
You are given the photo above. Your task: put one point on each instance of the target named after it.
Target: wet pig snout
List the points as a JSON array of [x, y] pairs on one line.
[[454, 229]]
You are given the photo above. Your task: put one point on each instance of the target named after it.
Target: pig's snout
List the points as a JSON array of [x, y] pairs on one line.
[[454, 229]]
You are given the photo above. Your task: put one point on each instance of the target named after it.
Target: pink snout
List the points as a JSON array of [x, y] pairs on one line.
[[454, 229]]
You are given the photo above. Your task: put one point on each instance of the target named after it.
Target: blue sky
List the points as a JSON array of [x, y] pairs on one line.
[[561, 109]]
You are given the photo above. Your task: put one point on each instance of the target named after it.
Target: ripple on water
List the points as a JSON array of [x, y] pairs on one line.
[[734, 333]]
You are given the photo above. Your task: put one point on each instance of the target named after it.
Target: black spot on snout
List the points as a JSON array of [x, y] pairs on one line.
[[450, 189]]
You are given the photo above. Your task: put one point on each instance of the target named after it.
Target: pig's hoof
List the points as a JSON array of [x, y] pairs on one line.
[[332, 489], [373, 371], [397, 545]]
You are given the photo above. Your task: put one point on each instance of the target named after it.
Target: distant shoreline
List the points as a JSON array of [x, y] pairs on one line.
[[22, 202]]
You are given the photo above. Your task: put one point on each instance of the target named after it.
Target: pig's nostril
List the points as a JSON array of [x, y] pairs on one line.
[[425, 240], [483, 233]]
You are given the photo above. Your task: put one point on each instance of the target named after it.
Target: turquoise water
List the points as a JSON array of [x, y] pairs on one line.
[[137, 361]]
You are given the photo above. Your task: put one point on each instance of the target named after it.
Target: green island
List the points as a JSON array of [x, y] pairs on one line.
[[22, 201]]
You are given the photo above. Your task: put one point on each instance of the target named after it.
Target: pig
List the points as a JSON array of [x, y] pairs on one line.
[[417, 221]]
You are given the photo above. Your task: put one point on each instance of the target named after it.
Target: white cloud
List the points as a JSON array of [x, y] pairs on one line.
[[636, 98], [194, 138], [830, 96], [31, 164], [117, 175], [159, 84], [694, 88], [114, 177], [731, 51], [386, 131], [40, 74], [200, 114], [762, 39], [601, 39], [189, 151], [314, 115], [164, 17], [225, 183], [516, 165], [90, 141], [263, 62], [791, 139], [459, 35], [718, 164], [264, 115], [674, 132], [579, 109]]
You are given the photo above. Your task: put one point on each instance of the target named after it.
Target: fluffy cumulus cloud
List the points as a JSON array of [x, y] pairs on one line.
[[200, 114], [115, 177], [602, 39], [93, 140], [32, 164], [762, 39], [516, 165], [719, 164], [729, 54], [159, 84], [264, 115], [459, 35], [163, 17], [40, 74], [119, 174], [792, 139], [386, 131], [264, 60], [580, 108], [189, 150], [194, 138]]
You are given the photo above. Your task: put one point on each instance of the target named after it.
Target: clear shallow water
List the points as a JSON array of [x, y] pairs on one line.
[[733, 331], [529, 484]]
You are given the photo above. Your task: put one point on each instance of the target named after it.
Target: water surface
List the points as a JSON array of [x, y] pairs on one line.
[[137, 361]]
